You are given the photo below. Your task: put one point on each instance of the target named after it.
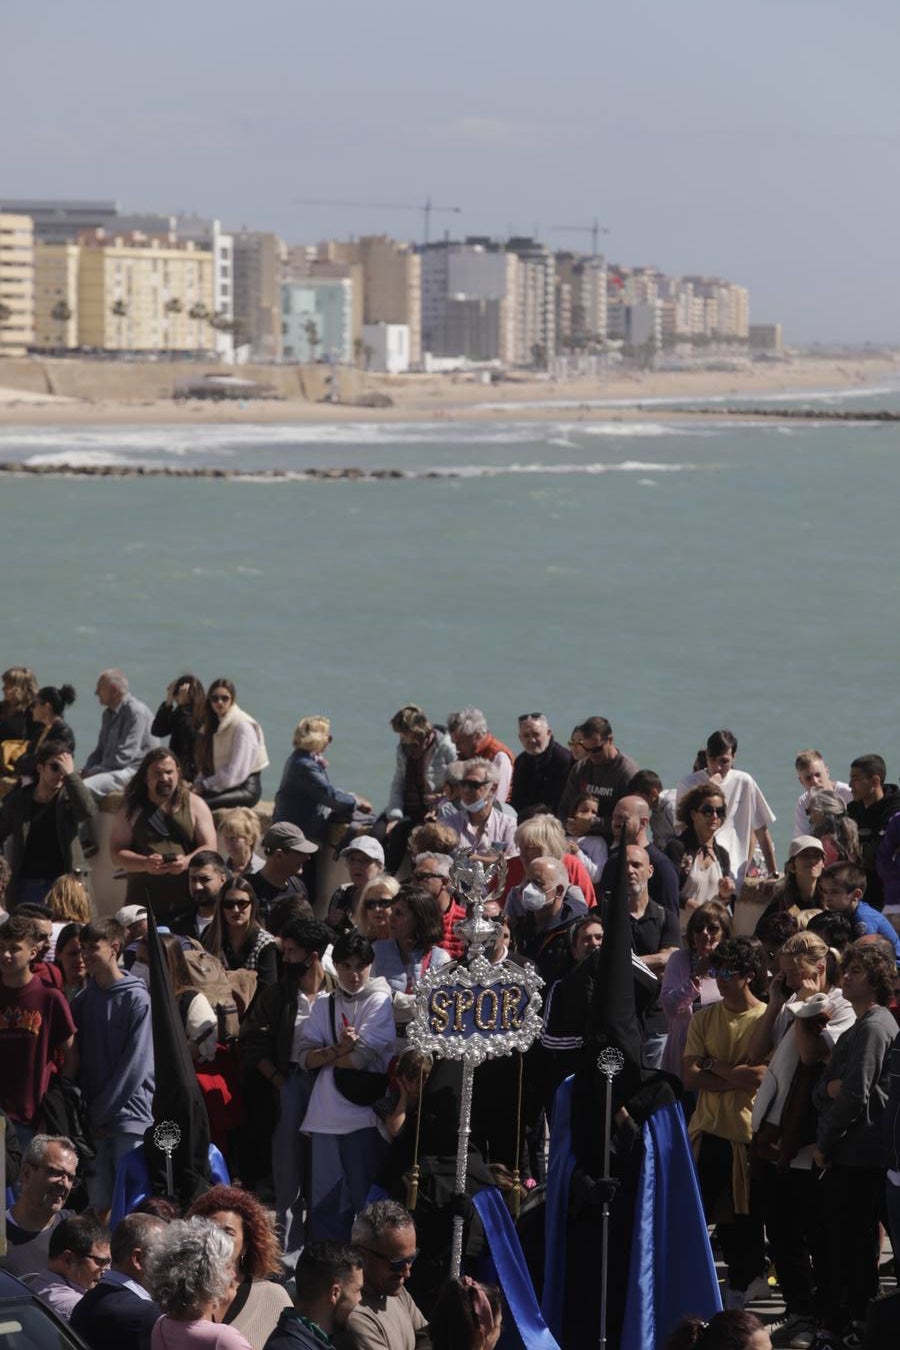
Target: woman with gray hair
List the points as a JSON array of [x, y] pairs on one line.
[[191, 1274], [833, 827]]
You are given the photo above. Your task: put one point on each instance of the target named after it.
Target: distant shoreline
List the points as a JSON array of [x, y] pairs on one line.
[[425, 398]]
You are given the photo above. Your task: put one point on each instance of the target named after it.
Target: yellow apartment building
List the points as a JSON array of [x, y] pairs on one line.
[[16, 284], [56, 296], [139, 294]]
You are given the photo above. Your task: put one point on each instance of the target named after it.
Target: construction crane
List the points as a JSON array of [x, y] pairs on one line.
[[593, 230], [426, 209]]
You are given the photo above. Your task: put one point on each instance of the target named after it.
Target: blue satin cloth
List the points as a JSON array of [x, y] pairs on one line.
[[559, 1175], [132, 1184], [671, 1273], [512, 1272]]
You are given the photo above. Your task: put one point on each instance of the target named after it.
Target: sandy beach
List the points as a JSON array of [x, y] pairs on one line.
[[79, 392]]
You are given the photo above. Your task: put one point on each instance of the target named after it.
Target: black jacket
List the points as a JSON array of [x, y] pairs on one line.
[[110, 1317], [291, 1334], [73, 805], [540, 778], [871, 821]]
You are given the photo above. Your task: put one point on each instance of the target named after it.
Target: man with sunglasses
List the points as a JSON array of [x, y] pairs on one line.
[[78, 1254], [41, 821], [541, 771], [482, 831], [269, 1040], [386, 1318], [603, 774]]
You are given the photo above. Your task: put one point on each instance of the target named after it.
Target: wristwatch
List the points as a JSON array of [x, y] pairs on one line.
[[707, 1063]]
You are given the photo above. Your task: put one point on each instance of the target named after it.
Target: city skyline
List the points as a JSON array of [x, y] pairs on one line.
[[753, 145]]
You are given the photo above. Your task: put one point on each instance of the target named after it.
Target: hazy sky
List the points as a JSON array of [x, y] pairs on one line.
[[755, 140]]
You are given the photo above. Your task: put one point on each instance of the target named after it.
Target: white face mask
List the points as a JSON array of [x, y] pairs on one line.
[[533, 897], [478, 805]]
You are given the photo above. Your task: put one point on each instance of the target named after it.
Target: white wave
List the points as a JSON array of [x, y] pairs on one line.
[[701, 400], [78, 459]]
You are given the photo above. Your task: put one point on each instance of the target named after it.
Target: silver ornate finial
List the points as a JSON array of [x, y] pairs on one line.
[[167, 1137], [475, 885], [610, 1062]]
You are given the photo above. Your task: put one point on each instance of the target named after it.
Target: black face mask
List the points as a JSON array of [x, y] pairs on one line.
[[295, 970]]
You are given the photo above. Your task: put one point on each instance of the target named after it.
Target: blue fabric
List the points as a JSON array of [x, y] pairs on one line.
[[559, 1176], [512, 1272], [668, 1223], [307, 798], [133, 1181]]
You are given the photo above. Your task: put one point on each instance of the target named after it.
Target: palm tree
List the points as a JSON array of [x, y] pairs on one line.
[[61, 312], [173, 306], [199, 311], [119, 309], [312, 337], [5, 313]]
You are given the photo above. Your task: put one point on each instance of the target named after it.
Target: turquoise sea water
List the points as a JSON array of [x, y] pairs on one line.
[[675, 577]]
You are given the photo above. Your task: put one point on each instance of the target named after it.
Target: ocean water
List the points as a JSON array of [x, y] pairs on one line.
[[675, 577]]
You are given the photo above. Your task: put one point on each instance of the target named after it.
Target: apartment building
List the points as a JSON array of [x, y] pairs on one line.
[[317, 319], [16, 284], [56, 296], [137, 294], [259, 260]]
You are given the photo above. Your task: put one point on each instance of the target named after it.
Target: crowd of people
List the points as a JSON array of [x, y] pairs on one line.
[[766, 996]]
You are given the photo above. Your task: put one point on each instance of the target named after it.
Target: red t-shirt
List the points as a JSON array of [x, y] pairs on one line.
[[450, 942], [34, 1023]]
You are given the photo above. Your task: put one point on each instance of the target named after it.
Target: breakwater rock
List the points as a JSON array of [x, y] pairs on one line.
[[330, 474]]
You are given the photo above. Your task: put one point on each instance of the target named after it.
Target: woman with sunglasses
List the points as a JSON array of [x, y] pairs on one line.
[[372, 915], [231, 751], [687, 984], [704, 866], [236, 936]]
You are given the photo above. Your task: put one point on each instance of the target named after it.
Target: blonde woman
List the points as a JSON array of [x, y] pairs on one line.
[[372, 915], [805, 1016], [241, 832], [306, 796], [68, 902], [543, 837]]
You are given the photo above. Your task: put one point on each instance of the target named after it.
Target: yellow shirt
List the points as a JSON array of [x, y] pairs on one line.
[[724, 1035]]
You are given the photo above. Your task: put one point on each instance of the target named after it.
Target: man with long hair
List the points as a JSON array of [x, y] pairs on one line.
[[159, 828]]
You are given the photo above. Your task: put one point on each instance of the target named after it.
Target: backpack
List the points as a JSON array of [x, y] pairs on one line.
[[209, 977]]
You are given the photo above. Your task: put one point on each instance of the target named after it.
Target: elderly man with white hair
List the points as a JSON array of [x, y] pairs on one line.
[[483, 831], [540, 915], [432, 871], [468, 730], [124, 736]]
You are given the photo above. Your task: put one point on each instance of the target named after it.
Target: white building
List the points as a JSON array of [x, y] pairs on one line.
[[386, 347]]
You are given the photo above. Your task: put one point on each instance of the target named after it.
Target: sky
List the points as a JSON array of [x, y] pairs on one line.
[[756, 140]]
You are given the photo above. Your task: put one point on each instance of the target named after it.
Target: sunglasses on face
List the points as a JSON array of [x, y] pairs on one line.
[[473, 784], [378, 904], [220, 698], [710, 810], [236, 904], [427, 876], [395, 1264]]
